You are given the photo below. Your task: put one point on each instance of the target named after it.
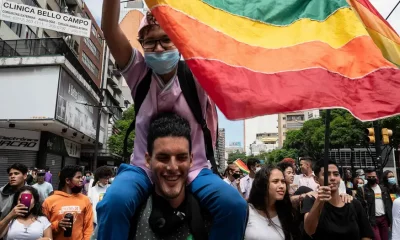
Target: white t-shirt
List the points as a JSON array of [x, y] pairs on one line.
[[396, 219], [95, 195], [18, 231], [44, 190], [233, 184], [260, 228], [245, 185], [379, 206]]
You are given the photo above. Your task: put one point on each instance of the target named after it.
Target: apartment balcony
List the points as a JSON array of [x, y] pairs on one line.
[[45, 47]]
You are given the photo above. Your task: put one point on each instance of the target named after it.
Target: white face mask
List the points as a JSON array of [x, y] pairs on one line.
[[258, 169], [102, 185]]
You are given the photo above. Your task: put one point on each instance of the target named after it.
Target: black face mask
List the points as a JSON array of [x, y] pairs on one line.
[[236, 175], [76, 189], [372, 181]]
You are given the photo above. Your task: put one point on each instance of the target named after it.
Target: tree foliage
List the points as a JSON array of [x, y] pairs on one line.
[[236, 155], [116, 141], [345, 132]]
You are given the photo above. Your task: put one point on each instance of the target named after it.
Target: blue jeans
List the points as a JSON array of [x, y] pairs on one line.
[[132, 187]]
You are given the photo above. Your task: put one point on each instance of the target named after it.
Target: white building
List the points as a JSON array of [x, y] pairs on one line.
[[257, 125]]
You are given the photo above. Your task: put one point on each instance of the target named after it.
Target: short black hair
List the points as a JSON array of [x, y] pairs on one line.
[[68, 172], [308, 159], [320, 164], [47, 168], [283, 165], [369, 170], [168, 125], [18, 166], [252, 162]]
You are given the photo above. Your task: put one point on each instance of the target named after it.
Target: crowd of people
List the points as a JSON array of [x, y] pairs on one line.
[[168, 190]]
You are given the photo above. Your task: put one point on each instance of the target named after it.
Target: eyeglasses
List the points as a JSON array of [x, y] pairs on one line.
[[151, 44]]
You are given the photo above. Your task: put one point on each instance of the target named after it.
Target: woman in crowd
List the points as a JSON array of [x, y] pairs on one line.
[[99, 187], [390, 182], [357, 182], [24, 223], [288, 172], [271, 215]]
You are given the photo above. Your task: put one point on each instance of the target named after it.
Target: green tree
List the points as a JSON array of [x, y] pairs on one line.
[[236, 155], [116, 141], [278, 155]]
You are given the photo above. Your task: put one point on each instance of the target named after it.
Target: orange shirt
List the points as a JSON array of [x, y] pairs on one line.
[[60, 203]]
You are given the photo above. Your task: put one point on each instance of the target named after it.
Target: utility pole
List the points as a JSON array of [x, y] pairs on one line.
[[378, 144]]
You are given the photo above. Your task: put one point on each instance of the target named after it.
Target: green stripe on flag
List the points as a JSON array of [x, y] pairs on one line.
[[279, 12]]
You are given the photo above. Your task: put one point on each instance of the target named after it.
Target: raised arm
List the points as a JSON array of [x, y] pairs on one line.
[[118, 43]]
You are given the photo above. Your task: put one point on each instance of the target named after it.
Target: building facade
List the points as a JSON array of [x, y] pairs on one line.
[[53, 84], [293, 121], [91, 49], [220, 149], [254, 126]]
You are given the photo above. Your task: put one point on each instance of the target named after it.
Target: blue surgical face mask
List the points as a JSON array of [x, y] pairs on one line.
[[392, 181], [362, 177], [360, 185], [162, 62]]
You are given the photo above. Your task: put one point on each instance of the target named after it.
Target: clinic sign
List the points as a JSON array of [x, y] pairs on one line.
[[43, 18]]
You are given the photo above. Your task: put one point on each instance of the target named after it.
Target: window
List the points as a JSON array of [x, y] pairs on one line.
[[94, 31], [284, 118], [295, 118], [76, 46], [15, 27], [89, 64], [92, 47], [32, 3], [29, 33], [284, 126]]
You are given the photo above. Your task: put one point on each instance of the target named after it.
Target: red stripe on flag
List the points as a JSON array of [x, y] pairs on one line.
[[372, 9], [241, 93]]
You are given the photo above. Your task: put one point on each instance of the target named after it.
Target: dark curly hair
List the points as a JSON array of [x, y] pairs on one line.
[[37, 208], [68, 172], [168, 125], [283, 165], [102, 172], [286, 213]]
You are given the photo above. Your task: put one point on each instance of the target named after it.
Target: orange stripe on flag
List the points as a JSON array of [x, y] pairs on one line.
[[375, 23], [373, 10]]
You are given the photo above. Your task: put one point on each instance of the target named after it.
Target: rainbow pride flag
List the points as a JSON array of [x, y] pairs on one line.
[[262, 57], [242, 166]]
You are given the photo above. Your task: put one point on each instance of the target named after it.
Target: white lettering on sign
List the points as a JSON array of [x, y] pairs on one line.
[[19, 139], [38, 17]]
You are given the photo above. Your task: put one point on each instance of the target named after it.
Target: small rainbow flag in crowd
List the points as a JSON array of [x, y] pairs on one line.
[[262, 57], [242, 166]]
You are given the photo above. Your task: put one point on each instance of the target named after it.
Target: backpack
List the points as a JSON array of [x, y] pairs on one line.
[[189, 90], [195, 217]]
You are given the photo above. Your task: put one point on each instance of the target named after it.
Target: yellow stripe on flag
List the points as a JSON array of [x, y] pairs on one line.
[[337, 30]]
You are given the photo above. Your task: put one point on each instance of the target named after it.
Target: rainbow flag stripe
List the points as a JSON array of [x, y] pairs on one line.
[[242, 166], [262, 57]]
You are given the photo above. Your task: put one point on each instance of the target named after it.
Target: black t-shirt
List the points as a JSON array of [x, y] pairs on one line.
[[347, 222]]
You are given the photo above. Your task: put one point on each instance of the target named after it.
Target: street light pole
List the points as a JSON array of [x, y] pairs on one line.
[[96, 146]]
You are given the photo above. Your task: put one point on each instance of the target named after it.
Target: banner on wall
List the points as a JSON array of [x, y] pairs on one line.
[[44, 18]]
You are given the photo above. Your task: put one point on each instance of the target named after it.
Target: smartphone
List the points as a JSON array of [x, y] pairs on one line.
[[26, 199]]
